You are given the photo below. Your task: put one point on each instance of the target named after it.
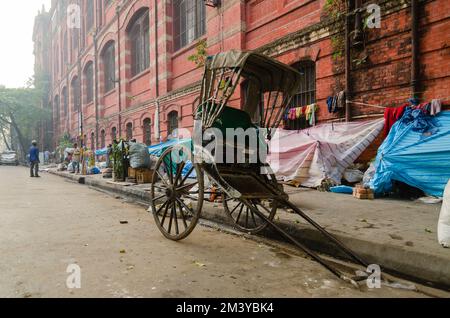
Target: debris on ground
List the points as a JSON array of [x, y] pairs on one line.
[[199, 264]]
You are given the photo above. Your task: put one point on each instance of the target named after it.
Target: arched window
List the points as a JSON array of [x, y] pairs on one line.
[[92, 141], [188, 21], [147, 131], [65, 101], [109, 63], [113, 133], [139, 37], [89, 83], [129, 131], [172, 122], [76, 98], [102, 139], [306, 92]]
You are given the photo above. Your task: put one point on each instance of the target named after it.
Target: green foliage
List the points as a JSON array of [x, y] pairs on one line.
[[65, 142], [117, 159], [21, 111], [199, 56], [335, 10]]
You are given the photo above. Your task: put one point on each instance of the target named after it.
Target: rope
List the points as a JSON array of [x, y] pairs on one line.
[[383, 106]]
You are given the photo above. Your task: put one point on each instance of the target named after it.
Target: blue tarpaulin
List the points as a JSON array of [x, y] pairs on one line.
[[158, 150], [155, 150], [416, 154]]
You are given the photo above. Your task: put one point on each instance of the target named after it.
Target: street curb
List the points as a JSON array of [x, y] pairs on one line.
[[413, 265]]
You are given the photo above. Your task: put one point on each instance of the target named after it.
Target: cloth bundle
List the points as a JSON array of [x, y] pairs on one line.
[[336, 103], [413, 112]]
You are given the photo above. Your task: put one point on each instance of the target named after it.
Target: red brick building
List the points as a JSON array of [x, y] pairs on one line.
[[126, 70]]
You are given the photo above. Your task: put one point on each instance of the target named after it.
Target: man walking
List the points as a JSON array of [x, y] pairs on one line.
[[34, 160], [76, 159]]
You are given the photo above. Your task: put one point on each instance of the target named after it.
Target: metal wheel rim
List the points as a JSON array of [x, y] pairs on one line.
[[174, 217]]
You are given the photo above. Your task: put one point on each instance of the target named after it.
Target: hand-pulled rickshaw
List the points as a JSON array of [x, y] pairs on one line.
[[252, 194]]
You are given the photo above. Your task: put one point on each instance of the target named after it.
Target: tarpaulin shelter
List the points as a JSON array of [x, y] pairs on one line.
[[309, 156], [416, 152]]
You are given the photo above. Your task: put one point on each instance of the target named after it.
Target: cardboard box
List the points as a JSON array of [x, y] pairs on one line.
[[144, 176]]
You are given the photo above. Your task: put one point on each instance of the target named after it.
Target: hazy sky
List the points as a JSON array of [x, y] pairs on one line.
[[16, 40]]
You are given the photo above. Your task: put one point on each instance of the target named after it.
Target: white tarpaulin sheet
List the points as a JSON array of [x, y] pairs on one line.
[[309, 156]]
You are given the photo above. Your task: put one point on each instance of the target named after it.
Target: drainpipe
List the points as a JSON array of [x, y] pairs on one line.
[[118, 70], [348, 82], [97, 117], [157, 114], [414, 48]]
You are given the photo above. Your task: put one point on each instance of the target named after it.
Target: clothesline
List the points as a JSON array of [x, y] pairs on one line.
[[386, 105]]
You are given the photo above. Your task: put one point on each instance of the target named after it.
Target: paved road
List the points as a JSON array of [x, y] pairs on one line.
[[49, 223]]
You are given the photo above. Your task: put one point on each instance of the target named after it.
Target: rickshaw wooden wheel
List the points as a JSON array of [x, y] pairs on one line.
[[176, 199], [245, 219]]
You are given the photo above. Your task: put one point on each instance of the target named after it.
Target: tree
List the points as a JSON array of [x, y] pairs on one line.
[[21, 113]]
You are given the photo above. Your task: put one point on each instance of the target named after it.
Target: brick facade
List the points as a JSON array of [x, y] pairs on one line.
[[289, 30]]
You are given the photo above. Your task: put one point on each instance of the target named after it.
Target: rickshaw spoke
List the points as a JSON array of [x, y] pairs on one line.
[[253, 218], [246, 217], [182, 215], [165, 214], [185, 206], [256, 207], [174, 208], [237, 206], [162, 178], [187, 175], [189, 197], [170, 168], [161, 207], [240, 212], [171, 220], [180, 168], [158, 198], [187, 186], [159, 187]]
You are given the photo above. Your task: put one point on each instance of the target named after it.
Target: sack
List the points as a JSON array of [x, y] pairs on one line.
[[444, 219], [368, 175], [353, 175], [70, 168], [139, 156]]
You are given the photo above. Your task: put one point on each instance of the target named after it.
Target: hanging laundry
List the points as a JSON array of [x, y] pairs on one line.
[[336, 103], [312, 120], [292, 114], [435, 107], [391, 115], [298, 112], [340, 103], [330, 104]]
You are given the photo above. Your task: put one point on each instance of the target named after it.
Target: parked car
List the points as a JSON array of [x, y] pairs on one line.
[[9, 158]]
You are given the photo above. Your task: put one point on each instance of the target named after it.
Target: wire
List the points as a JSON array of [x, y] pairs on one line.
[[383, 106]]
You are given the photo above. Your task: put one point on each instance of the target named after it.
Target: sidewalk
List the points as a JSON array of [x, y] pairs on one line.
[[398, 235]]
